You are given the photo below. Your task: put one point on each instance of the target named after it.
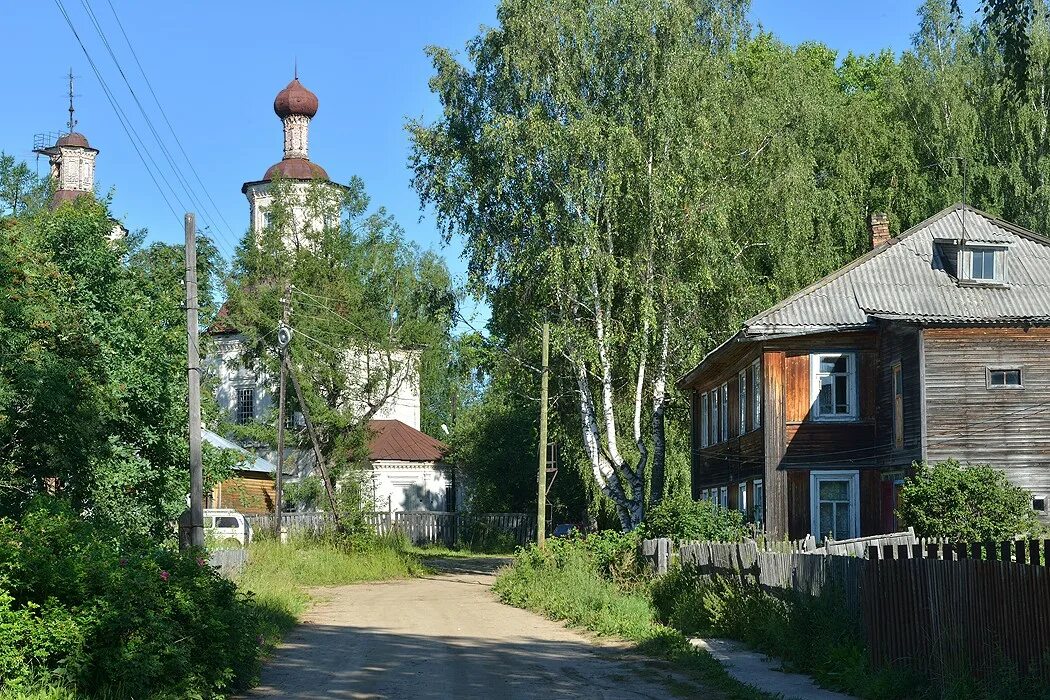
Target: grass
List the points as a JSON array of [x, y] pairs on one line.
[[279, 576], [48, 692], [573, 591]]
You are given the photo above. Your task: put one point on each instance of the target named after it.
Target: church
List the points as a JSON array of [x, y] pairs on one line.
[[408, 468]]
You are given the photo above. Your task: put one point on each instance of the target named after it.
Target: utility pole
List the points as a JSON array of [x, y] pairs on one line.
[[541, 505], [283, 338], [193, 375]]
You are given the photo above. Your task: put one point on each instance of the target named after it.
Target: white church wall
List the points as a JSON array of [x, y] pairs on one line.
[[410, 486]]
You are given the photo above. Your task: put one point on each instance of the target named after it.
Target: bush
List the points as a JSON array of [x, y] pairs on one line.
[[972, 504], [79, 607], [685, 519]]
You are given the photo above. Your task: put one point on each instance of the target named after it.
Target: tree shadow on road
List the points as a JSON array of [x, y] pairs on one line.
[[324, 661]]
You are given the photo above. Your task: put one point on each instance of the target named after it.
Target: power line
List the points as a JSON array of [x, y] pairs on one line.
[[164, 115], [128, 129], [149, 122]]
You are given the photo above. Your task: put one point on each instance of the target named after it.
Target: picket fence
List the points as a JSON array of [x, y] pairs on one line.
[[421, 527], [934, 605]]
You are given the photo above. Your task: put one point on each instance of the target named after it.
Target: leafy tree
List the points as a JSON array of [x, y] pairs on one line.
[[367, 309], [967, 504], [646, 175], [92, 374], [21, 191]]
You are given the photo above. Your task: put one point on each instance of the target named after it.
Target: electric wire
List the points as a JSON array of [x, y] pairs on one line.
[[180, 178], [164, 115], [128, 129]]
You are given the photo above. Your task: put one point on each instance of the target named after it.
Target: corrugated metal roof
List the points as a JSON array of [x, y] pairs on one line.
[[902, 280], [250, 463]]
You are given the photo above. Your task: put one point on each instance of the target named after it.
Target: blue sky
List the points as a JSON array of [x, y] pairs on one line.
[[216, 67]]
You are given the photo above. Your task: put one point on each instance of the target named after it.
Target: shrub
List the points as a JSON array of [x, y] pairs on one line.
[[975, 503], [686, 519], [82, 608]]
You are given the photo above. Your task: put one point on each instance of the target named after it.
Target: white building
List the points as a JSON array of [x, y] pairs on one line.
[[408, 471]]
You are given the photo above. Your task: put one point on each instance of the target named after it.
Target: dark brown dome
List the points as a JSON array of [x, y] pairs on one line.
[[296, 169], [295, 99], [73, 139]]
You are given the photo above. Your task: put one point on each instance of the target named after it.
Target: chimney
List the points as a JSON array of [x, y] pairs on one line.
[[879, 224]]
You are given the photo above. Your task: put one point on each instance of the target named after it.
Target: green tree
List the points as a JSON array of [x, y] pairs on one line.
[[21, 191], [646, 175], [368, 309], [966, 504], [92, 374]]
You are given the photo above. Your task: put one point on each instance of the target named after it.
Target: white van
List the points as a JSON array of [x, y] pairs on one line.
[[222, 524]]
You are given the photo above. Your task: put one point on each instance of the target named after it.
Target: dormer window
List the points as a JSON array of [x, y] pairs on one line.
[[982, 263]]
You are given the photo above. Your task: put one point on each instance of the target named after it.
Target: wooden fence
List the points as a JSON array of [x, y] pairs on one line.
[[942, 605], [422, 527], [934, 605]]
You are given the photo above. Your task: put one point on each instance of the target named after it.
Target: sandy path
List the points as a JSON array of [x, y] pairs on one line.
[[446, 636]]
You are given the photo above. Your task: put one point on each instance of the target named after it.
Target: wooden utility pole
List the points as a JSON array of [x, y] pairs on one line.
[[193, 375], [313, 441], [282, 338], [541, 479]]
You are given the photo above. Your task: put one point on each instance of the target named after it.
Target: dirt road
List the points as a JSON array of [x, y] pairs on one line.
[[446, 636]]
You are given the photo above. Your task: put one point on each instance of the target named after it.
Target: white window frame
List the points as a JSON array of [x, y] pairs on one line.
[[724, 393], [723, 496], [850, 475], [703, 495], [851, 385], [965, 262], [741, 397], [756, 394], [760, 504], [741, 496], [715, 421], [705, 421]]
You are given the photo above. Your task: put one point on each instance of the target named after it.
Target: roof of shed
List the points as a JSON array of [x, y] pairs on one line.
[[901, 280], [395, 441]]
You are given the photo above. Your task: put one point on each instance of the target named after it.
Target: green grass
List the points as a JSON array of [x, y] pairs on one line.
[[48, 692], [279, 576], [573, 591]]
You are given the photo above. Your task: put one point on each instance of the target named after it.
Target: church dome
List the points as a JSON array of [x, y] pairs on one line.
[[295, 99], [296, 169], [73, 139]]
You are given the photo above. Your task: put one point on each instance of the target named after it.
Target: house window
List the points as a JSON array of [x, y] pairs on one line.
[[898, 407], [760, 502], [835, 504], [741, 398], [245, 405], [714, 418], [834, 386], [1039, 504], [756, 394], [982, 264], [1004, 378], [723, 496], [725, 411], [704, 421], [741, 501], [703, 495]]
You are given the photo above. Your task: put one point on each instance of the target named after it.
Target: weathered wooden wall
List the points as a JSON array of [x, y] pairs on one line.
[[899, 343], [251, 493], [1006, 428]]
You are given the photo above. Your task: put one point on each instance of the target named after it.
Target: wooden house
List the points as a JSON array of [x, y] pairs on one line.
[[933, 345]]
